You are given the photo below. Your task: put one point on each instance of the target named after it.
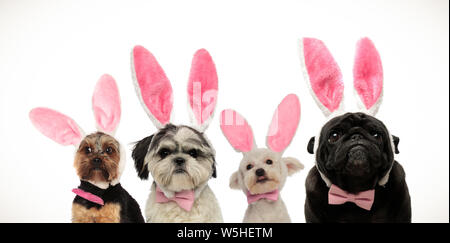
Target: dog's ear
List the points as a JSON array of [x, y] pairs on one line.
[[214, 174], [234, 180], [311, 145], [396, 141], [292, 164], [139, 152]]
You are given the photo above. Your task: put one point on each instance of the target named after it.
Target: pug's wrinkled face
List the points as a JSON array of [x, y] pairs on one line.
[[354, 151], [178, 158]]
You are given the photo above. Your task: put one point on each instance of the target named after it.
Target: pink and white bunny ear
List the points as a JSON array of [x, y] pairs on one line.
[[152, 86], [322, 74], [284, 123], [368, 76], [237, 131], [106, 104], [202, 89], [57, 126]]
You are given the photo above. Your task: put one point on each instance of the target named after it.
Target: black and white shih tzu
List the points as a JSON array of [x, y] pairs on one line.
[[356, 178], [180, 158]]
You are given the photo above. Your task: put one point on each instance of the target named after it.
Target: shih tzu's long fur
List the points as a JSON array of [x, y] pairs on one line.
[[178, 158]]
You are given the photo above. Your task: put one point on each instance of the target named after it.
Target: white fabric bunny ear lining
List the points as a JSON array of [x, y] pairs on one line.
[[64, 130], [281, 131], [155, 91]]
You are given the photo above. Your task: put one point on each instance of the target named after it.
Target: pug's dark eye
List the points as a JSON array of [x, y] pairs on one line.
[[193, 153], [87, 150], [163, 153], [249, 166], [334, 137], [109, 150], [376, 135], [269, 162]]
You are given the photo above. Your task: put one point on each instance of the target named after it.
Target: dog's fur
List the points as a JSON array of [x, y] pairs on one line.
[[98, 162], [355, 152], [274, 176], [156, 155]]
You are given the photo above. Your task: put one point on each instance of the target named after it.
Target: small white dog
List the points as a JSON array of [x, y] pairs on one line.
[[262, 172], [180, 159]]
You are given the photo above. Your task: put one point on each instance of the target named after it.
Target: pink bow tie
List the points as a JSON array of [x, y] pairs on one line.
[[184, 199], [363, 199], [88, 196], [273, 196]]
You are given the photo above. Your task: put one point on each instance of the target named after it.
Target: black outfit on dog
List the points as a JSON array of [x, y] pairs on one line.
[[129, 208]]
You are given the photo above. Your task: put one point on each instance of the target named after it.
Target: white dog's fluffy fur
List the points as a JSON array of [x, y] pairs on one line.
[[263, 210]]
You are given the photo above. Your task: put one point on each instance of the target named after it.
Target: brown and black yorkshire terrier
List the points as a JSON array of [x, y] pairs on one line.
[[98, 164], [99, 158]]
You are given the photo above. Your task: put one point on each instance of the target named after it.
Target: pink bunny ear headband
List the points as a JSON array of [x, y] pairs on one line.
[[64, 130], [281, 131], [155, 92], [324, 78]]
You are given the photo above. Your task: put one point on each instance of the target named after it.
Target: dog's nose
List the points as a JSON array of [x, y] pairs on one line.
[[97, 161], [356, 136], [260, 172], [179, 161]]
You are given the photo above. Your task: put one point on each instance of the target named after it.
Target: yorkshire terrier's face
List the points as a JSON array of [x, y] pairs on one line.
[[97, 158], [178, 157]]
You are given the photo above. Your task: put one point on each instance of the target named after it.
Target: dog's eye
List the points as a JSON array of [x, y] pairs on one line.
[[193, 153], [334, 137], [163, 153], [87, 150], [269, 162], [376, 135], [109, 150], [249, 166]]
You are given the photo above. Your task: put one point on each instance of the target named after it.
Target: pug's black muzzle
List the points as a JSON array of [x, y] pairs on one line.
[[357, 161], [356, 158]]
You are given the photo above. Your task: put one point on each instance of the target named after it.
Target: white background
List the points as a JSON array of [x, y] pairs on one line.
[[53, 52]]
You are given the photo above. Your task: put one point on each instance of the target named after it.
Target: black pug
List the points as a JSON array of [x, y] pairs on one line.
[[356, 178], [355, 154]]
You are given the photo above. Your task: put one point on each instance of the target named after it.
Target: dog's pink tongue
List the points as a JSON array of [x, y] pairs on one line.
[[261, 178]]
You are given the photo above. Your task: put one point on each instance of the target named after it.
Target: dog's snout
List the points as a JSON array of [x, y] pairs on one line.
[[356, 136], [260, 172], [179, 161], [96, 161]]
